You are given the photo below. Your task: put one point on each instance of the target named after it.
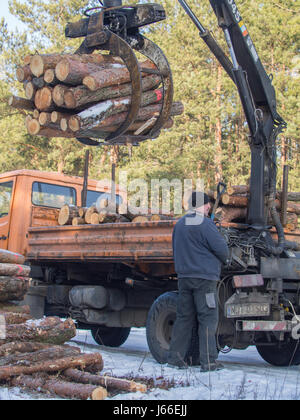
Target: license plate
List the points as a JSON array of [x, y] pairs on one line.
[[247, 309]]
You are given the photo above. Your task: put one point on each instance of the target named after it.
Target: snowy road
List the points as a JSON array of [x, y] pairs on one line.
[[246, 374]]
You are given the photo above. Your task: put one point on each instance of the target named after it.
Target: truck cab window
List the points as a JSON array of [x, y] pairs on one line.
[[51, 195], [5, 197], [93, 196]]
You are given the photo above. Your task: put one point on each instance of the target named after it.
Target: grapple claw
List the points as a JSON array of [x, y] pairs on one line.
[[100, 36]]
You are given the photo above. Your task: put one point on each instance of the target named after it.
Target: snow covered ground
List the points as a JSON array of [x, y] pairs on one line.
[[246, 375]]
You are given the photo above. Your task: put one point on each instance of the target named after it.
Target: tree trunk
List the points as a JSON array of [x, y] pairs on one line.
[[92, 117], [234, 201], [78, 96], [228, 214], [43, 99], [140, 219], [13, 288], [40, 63], [88, 214], [106, 381], [14, 270], [66, 214], [113, 76], [292, 207], [49, 330], [61, 388], [81, 361], [16, 348], [50, 77], [58, 94], [41, 355], [237, 189], [73, 72], [15, 318], [78, 221], [11, 307], [20, 103], [24, 73], [11, 257]]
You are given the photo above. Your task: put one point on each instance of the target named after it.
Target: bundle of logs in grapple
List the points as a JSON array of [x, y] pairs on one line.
[[86, 95], [233, 206], [33, 353]]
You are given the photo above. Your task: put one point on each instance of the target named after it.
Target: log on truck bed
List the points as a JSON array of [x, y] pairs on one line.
[[123, 242]]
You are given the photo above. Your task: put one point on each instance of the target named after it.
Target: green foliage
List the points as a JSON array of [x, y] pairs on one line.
[[210, 140]]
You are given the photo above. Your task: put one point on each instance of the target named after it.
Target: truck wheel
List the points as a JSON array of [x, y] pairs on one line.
[[160, 321], [110, 336], [281, 354]]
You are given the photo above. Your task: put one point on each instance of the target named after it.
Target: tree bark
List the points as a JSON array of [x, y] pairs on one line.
[[13, 288], [106, 381], [40, 63], [141, 219], [20, 103], [15, 318], [41, 355], [24, 73], [16, 348], [50, 78], [73, 72], [11, 307], [66, 214], [14, 270], [113, 76], [81, 361], [44, 100], [49, 330], [88, 214], [78, 96], [92, 117], [78, 221], [58, 94], [230, 213], [11, 257], [61, 388], [234, 201]]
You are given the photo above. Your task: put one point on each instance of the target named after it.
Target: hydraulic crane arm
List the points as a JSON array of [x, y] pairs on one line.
[[258, 99]]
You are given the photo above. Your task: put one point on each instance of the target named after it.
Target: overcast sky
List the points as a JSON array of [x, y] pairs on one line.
[[10, 20]]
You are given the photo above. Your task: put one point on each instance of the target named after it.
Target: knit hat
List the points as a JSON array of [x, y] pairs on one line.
[[198, 199]]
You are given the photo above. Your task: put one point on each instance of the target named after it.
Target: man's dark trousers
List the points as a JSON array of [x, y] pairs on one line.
[[195, 297]]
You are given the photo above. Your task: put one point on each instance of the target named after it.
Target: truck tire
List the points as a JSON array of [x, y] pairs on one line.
[[281, 354], [160, 321], [110, 336]]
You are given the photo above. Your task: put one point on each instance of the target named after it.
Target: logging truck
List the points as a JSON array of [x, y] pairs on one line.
[[114, 276]]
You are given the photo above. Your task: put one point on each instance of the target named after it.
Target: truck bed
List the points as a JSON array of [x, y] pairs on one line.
[[149, 241], [111, 242]]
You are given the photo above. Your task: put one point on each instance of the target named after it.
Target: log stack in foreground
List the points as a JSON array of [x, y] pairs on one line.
[[86, 95], [33, 353]]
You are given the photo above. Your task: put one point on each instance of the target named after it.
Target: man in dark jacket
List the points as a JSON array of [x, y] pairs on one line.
[[199, 251]]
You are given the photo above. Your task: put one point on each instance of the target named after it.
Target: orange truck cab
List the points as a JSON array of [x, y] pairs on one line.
[[32, 198]]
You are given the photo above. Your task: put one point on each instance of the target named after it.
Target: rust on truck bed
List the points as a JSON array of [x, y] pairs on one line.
[[123, 242], [149, 241]]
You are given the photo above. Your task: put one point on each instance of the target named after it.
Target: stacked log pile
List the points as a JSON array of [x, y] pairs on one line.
[[85, 95], [233, 206], [72, 215], [33, 353]]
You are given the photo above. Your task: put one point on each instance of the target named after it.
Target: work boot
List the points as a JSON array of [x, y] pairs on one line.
[[211, 367]]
